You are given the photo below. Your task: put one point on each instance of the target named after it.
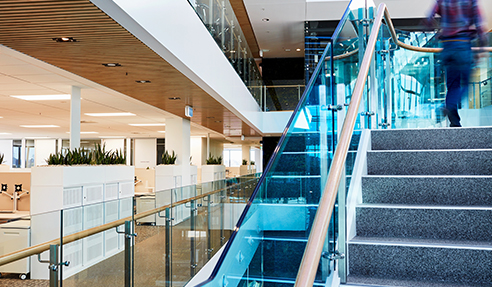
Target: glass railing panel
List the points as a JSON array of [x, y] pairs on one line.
[[14, 236], [182, 237], [281, 97], [274, 229], [99, 258], [220, 20]]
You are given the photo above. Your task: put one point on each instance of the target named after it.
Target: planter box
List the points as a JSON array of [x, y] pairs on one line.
[[167, 179], [213, 172], [86, 196]]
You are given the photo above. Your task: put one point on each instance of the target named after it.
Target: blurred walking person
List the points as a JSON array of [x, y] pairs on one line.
[[461, 23]]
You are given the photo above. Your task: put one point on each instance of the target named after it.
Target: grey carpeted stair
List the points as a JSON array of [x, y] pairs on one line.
[[426, 216]]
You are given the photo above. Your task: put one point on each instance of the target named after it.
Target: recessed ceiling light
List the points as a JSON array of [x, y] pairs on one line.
[[112, 65], [265, 20], [148, 125], [298, 50], [64, 39], [43, 97], [39, 126], [175, 98], [287, 50], [110, 114], [143, 81], [1, 117], [5, 133], [161, 132], [112, 137]]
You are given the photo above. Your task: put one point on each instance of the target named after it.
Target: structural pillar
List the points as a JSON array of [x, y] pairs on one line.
[[75, 109], [178, 139], [246, 152]]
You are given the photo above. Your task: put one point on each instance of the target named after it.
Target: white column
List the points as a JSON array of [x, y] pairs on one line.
[[246, 153], [128, 150], [23, 153], [75, 108], [208, 146], [178, 139], [60, 145]]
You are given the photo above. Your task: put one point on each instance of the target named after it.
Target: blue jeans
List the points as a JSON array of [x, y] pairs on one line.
[[457, 59]]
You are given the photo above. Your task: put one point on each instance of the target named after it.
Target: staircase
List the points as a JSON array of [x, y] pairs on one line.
[[426, 216]]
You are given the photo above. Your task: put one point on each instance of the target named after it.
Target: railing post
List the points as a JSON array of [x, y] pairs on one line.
[[168, 248], [192, 238], [209, 225], [53, 266], [128, 253]]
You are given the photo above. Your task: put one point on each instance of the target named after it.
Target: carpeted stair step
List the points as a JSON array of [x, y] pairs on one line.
[[430, 162], [442, 138], [428, 190], [422, 261], [426, 222]]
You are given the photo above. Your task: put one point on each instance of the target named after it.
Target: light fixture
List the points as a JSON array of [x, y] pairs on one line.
[[5, 133], [86, 133], [143, 81], [148, 125], [1, 117], [163, 132], [265, 20], [298, 50], [109, 114], [39, 126], [43, 97], [174, 98], [112, 65], [64, 39], [112, 137], [287, 50]]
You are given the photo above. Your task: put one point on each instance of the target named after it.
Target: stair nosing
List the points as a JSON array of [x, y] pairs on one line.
[[427, 150], [423, 243], [427, 176], [421, 206]]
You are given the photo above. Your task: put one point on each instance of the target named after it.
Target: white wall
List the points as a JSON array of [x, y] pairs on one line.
[[145, 152], [114, 144], [196, 151], [42, 150], [6, 150]]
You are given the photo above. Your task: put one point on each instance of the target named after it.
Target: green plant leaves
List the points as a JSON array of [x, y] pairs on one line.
[[169, 159], [214, 160], [80, 156]]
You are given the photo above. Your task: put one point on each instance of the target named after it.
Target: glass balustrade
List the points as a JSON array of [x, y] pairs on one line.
[[220, 20], [182, 229]]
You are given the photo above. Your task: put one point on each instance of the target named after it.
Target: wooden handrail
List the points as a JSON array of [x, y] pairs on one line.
[[39, 248], [314, 247]]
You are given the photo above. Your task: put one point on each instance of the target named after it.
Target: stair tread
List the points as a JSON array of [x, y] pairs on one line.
[[441, 243], [365, 281]]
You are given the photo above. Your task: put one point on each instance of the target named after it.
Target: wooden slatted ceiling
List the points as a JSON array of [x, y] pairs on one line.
[[29, 26]]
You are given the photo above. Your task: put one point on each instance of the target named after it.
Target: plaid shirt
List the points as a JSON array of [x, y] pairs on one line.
[[459, 18]]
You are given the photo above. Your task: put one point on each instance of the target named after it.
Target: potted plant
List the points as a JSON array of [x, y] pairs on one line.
[[214, 170], [80, 179], [169, 159]]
